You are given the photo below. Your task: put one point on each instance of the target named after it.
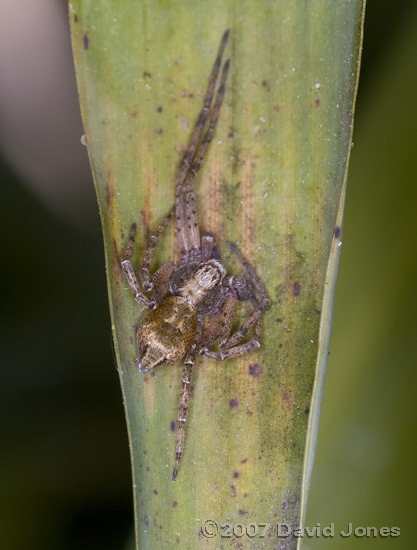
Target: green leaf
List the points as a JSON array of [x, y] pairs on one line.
[[273, 182]]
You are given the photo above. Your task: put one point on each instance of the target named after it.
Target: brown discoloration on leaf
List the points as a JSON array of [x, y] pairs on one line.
[[287, 398], [247, 218], [211, 207]]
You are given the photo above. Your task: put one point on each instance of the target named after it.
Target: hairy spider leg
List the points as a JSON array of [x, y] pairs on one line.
[[201, 120], [265, 300], [190, 210], [185, 397], [187, 230], [160, 282], [230, 353], [130, 275], [218, 325], [207, 245], [260, 307], [208, 136], [147, 282]]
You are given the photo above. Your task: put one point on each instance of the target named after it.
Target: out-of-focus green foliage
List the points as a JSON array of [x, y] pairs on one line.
[[367, 450]]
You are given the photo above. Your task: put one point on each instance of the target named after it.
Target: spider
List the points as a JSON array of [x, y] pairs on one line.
[[193, 303]]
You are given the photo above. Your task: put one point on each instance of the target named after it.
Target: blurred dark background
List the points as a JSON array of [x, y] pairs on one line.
[[64, 460]]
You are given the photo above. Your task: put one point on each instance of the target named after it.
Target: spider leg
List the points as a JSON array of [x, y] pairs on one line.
[[186, 219], [207, 245], [145, 279], [130, 275], [201, 120], [208, 136], [265, 301], [190, 210], [160, 282], [185, 398], [218, 325], [238, 283], [230, 353], [254, 319]]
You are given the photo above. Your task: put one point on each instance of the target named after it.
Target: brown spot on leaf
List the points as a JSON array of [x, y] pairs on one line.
[[174, 504], [276, 108], [255, 369], [159, 109], [146, 74], [244, 461], [266, 85], [75, 18], [287, 398], [134, 114], [317, 103]]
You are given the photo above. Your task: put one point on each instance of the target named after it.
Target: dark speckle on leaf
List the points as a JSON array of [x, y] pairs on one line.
[[233, 403], [243, 512], [159, 109], [317, 103], [146, 520], [337, 232], [76, 18], [174, 504], [155, 492], [172, 426], [255, 369], [296, 288], [235, 474], [86, 42]]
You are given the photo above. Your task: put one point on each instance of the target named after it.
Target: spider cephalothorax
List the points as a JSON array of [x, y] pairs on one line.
[[193, 303]]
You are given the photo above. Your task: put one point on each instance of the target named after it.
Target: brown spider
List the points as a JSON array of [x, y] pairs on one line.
[[198, 287]]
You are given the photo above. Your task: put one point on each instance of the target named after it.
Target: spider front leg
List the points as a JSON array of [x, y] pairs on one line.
[[130, 275], [218, 325], [147, 282], [244, 289]]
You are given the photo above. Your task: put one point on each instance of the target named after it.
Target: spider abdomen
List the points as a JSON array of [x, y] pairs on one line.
[[166, 333]]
